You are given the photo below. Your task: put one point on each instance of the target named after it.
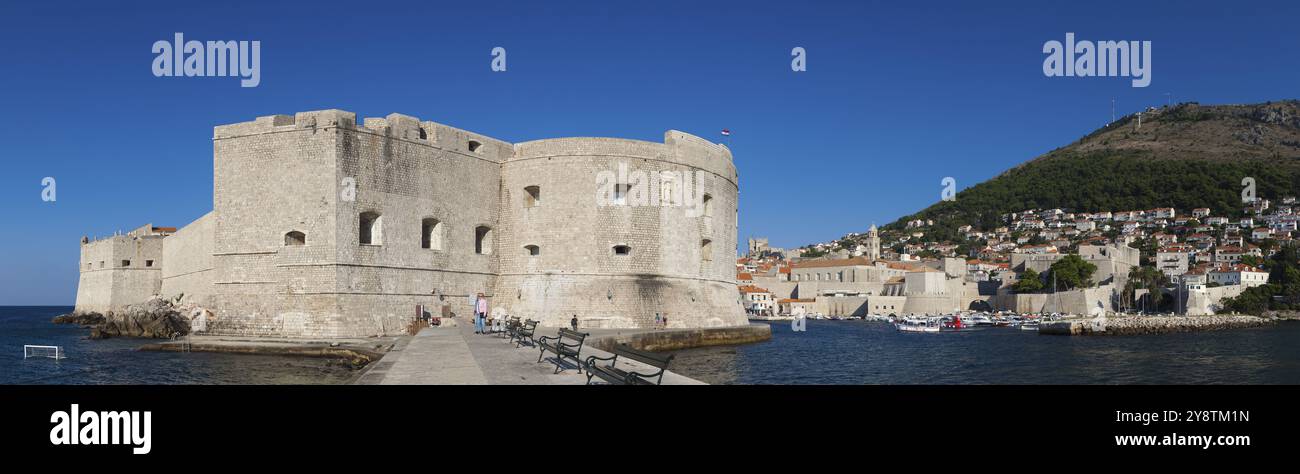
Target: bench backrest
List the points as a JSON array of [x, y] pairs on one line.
[[530, 325], [576, 336], [657, 360]]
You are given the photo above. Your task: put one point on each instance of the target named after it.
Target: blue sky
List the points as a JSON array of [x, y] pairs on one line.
[[896, 96]]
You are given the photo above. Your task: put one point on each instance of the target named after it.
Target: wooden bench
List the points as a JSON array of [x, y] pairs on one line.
[[616, 376], [524, 332], [561, 349]]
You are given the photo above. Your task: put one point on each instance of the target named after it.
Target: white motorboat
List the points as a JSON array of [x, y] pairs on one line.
[[918, 325]]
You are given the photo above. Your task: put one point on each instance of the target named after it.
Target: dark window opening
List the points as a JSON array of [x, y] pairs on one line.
[[371, 228], [295, 238], [532, 196], [483, 240], [430, 234], [533, 250], [474, 145], [622, 250]]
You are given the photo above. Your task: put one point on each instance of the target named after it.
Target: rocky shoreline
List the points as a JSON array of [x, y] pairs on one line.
[[157, 318], [1137, 325]]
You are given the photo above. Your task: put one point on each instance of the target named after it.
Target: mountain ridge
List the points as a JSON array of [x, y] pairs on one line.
[[1187, 155]]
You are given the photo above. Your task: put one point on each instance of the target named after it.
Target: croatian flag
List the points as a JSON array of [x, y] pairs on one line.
[[726, 133]]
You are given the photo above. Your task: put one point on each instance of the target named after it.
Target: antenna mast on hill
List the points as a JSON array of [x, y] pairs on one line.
[[1112, 111]]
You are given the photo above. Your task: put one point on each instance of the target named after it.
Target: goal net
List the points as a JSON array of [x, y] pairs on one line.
[[53, 352]]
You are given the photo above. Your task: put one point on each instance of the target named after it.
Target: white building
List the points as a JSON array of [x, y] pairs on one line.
[[1238, 275]]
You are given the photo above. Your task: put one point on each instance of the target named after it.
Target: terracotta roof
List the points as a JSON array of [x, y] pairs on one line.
[[855, 261], [795, 300], [1237, 268], [744, 276], [752, 289]]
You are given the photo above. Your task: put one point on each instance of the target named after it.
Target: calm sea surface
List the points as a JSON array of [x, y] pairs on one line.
[[829, 352], [858, 352], [115, 361]]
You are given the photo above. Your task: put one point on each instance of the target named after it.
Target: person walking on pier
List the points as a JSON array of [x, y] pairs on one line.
[[574, 322]]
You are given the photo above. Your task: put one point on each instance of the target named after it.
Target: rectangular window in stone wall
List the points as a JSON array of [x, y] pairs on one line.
[[126, 263], [532, 196], [430, 234], [483, 240], [370, 231]]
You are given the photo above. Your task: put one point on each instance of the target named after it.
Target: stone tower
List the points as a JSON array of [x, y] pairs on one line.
[[873, 244], [324, 225]]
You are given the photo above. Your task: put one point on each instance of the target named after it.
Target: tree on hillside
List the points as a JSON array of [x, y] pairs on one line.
[[1071, 272], [1254, 300], [1030, 282]]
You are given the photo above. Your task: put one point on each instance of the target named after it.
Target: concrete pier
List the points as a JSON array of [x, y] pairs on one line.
[[457, 356]]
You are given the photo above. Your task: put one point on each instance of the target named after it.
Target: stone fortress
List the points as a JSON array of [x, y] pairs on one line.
[[325, 227]]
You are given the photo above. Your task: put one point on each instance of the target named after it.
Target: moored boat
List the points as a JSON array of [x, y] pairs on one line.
[[918, 325]]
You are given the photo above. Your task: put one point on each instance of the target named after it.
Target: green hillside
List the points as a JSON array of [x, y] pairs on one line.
[[1183, 157]]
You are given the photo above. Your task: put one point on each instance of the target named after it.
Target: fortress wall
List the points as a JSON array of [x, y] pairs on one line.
[[106, 284], [930, 304], [188, 254], [272, 176], [577, 270], [1083, 302], [95, 282], [886, 305], [620, 301], [283, 173], [844, 305], [407, 183], [1209, 300]]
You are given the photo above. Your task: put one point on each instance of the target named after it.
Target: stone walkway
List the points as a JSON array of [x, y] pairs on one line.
[[457, 356]]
